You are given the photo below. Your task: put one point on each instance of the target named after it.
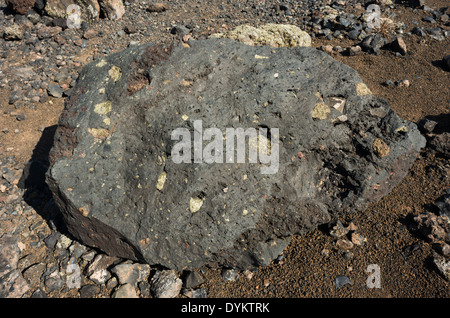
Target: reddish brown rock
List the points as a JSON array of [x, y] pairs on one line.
[[398, 45]]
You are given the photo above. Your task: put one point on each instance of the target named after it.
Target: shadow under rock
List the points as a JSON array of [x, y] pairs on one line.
[[37, 194]]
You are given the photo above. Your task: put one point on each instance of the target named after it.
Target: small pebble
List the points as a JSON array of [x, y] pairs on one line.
[[341, 281], [230, 275]]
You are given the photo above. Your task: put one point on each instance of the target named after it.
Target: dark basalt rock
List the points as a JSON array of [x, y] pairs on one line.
[[114, 177]]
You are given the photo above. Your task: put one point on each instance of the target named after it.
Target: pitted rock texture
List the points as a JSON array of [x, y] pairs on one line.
[[115, 180]]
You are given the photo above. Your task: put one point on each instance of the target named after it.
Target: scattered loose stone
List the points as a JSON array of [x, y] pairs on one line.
[[358, 239], [130, 29], [63, 241], [39, 293], [344, 244], [73, 272], [338, 230], [388, 83], [441, 143], [126, 291], [196, 293], [33, 273], [403, 83], [77, 250], [193, 279], [131, 273], [165, 284], [445, 249], [112, 9], [429, 19], [341, 281], [9, 254], [144, 289], [373, 43], [13, 285], [98, 269], [46, 32], [53, 282], [33, 16], [443, 265], [443, 204], [348, 255], [351, 226], [55, 90], [157, 7], [427, 125], [21, 117], [325, 252], [353, 50], [13, 176], [112, 283], [419, 31], [230, 274], [398, 45], [89, 34], [275, 35], [434, 228], [446, 61], [13, 33], [89, 291], [327, 48], [248, 274]]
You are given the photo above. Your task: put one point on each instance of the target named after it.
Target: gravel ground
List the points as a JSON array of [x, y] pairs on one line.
[[388, 249]]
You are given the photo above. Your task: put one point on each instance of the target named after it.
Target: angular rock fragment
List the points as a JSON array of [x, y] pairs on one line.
[[373, 43], [443, 204], [341, 281], [131, 273], [441, 143], [193, 279], [398, 45], [446, 62], [443, 265], [88, 9], [147, 175], [112, 9], [125, 291], [157, 7], [435, 228], [13, 32], [98, 269], [48, 32], [337, 229], [9, 254], [13, 285], [165, 284]]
